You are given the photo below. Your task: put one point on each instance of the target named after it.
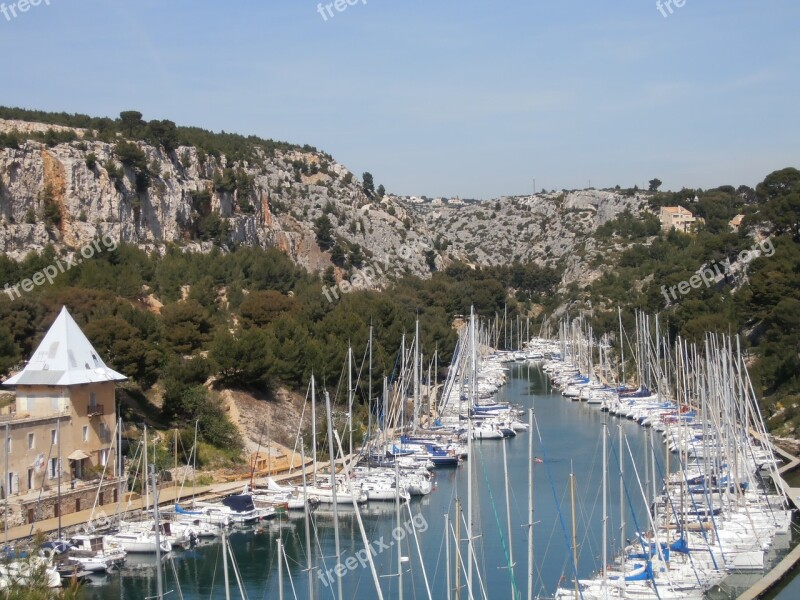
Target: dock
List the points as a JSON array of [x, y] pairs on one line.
[[775, 576], [791, 560], [792, 463], [166, 497]]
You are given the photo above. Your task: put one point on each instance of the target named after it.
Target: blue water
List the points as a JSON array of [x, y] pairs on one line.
[[792, 589], [571, 440]]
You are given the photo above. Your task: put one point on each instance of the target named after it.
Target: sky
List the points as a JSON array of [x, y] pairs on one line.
[[469, 98]]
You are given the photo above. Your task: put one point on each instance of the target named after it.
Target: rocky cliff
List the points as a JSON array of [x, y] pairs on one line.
[[549, 229], [69, 193]]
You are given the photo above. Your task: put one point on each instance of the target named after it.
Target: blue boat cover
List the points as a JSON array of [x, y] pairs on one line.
[[181, 511], [239, 503], [680, 545]]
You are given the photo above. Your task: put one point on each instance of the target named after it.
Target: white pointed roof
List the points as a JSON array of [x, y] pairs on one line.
[[64, 357]]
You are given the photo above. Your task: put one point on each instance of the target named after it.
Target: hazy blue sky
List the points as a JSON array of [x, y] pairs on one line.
[[441, 97]]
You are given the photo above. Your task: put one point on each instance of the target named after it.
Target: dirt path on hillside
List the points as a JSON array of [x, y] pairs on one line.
[[274, 422]]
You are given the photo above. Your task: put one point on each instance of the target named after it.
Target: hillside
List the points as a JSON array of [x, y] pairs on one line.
[[67, 186], [226, 250]]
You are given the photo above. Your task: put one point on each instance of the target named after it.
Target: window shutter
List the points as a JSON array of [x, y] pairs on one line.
[[15, 483]]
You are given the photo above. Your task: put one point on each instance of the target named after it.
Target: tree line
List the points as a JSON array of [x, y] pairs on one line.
[[185, 324]]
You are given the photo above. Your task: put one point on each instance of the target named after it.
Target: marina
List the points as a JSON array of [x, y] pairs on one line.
[[569, 433], [606, 490], [413, 301]]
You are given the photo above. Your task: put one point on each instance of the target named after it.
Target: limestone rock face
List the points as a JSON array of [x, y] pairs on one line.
[[545, 228], [72, 193]]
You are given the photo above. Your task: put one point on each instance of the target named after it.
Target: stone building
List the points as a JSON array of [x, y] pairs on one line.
[[59, 448], [676, 217], [736, 222]]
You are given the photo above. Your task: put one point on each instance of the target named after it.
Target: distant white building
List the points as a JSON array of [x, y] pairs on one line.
[[456, 202]]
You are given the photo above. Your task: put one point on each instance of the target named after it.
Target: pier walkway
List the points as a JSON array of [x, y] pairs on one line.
[[792, 463], [783, 568], [166, 497]]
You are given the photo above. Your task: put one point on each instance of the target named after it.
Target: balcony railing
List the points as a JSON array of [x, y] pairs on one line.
[[96, 410]]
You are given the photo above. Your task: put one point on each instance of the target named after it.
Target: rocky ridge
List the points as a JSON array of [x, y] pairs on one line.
[[96, 196]]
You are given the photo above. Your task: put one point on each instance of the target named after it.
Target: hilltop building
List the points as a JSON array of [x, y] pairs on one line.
[[676, 217], [736, 222], [59, 433]]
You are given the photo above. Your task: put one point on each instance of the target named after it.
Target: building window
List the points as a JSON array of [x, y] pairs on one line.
[[92, 399], [85, 433], [53, 470], [31, 444], [53, 436], [9, 446], [103, 457]]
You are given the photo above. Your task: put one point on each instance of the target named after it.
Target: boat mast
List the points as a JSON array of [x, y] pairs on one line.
[[508, 521], [401, 383], [457, 588], [604, 555], [120, 468], [58, 443], [225, 563], [447, 553], [470, 456], [6, 486], [574, 530], [369, 400], [530, 504], [505, 326], [332, 469], [385, 410], [416, 375], [313, 433], [194, 459], [399, 527], [280, 568], [435, 376], [621, 346], [146, 476], [307, 519], [621, 495], [157, 528], [647, 469], [528, 328], [350, 395]]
